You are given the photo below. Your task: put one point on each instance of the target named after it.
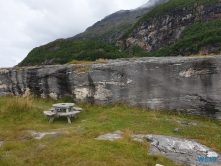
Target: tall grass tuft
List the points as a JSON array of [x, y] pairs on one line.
[[17, 108]]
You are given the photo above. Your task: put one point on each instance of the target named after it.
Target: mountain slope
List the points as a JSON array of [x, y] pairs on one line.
[[107, 30], [115, 25], [62, 51], [176, 27], [167, 26]]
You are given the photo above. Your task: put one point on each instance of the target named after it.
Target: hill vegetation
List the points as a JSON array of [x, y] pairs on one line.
[[199, 38], [63, 51]]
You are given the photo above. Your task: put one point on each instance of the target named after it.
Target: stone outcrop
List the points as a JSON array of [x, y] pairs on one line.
[[183, 151], [1, 143], [191, 85], [180, 150], [164, 30], [40, 135], [111, 136]]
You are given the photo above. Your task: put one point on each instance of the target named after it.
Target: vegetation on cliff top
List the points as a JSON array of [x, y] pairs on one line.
[[63, 51]]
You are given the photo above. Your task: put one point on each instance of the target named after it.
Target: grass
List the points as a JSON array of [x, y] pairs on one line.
[[76, 62], [76, 144]]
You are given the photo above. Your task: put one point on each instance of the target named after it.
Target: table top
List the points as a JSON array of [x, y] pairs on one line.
[[63, 105]]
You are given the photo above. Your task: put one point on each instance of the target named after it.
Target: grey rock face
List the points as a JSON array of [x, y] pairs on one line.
[[161, 31], [182, 151], [1, 143], [185, 123], [111, 136], [191, 85], [179, 150], [39, 135], [176, 130]]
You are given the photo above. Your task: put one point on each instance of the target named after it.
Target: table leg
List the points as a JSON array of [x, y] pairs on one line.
[[51, 119], [69, 119]]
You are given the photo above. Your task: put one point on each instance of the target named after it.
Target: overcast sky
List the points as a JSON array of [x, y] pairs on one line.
[[26, 24]]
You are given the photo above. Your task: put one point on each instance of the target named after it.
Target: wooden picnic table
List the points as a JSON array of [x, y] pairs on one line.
[[62, 109]]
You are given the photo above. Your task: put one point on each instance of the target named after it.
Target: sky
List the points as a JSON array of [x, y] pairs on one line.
[[26, 24]]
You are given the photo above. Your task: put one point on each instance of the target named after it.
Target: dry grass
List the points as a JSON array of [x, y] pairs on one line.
[[101, 60], [16, 107], [200, 56], [80, 62], [82, 69]]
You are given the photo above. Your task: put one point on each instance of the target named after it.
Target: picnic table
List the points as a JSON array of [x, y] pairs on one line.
[[62, 110]]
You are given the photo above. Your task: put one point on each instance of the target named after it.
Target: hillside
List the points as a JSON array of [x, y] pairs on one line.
[[181, 27], [176, 27], [62, 51], [112, 27], [81, 47]]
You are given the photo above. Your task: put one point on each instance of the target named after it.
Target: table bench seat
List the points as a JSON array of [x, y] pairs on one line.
[[69, 114], [77, 108], [49, 113]]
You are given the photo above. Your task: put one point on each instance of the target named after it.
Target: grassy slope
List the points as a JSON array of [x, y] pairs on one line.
[[64, 51], [77, 146], [104, 33]]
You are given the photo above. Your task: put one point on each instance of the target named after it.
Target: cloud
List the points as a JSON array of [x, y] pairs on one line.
[[26, 24]]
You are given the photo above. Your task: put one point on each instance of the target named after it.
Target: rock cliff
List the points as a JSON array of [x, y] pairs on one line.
[[191, 85], [159, 30]]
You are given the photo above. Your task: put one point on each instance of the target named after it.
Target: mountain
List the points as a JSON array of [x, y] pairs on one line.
[[179, 27], [88, 45], [112, 27], [158, 28]]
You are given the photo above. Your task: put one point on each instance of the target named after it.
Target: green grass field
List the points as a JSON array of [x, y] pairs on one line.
[[76, 144]]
